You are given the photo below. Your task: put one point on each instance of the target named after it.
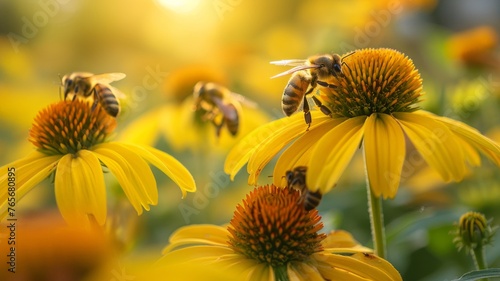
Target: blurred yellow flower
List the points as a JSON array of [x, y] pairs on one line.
[[71, 141], [271, 237], [374, 105], [184, 127]]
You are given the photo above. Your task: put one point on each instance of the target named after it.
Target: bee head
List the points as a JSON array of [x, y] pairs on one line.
[[326, 66], [337, 64], [68, 84]]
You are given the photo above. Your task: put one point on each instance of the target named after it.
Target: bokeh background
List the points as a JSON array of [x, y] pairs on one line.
[[166, 46]]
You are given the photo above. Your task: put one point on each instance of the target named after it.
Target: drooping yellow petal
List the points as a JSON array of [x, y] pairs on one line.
[[197, 234], [29, 171], [471, 154], [259, 272], [340, 241], [300, 271], [243, 150], [80, 189], [121, 170], [332, 154], [384, 149], [188, 254], [380, 264], [137, 170], [436, 143], [472, 136], [288, 160], [332, 273], [168, 165], [273, 144], [363, 265], [193, 263]]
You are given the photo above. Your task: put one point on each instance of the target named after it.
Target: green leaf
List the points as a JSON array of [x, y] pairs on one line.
[[478, 274]]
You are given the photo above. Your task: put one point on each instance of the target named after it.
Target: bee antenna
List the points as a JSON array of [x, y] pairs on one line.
[[344, 63]]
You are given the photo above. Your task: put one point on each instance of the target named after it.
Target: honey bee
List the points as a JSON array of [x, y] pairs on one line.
[[219, 105], [306, 75], [85, 84], [296, 178]]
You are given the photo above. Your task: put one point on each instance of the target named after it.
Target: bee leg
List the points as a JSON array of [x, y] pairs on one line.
[[326, 85], [321, 106], [307, 113], [96, 99], [218, 127]]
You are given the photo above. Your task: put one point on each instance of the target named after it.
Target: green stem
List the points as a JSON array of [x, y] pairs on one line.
[[377, 222], [479, 258]]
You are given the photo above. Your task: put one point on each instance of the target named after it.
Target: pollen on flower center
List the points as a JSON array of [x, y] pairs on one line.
[[69, 126], [272, 227], [374, 81]]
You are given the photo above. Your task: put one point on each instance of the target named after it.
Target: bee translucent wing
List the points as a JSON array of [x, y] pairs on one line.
[[119, 94], [295, 69], [107, 78], [244, 100], [292, 62]]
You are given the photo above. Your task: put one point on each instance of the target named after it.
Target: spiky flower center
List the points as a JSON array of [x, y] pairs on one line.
[[69, 126], [374, 81], [272, 227]]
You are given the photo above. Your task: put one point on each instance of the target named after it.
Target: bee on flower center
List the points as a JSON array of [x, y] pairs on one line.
[[85, 84], [306, 75]]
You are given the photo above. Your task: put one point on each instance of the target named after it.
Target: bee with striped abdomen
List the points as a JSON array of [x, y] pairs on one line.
[[214, 101], [85, 84], [296, 178], [306, 75]]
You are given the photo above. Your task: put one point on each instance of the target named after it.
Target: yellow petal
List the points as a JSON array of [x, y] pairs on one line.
[[193, 263], [168, 165], [300, 271], [380, 264], [268, 148], [290, 157], [121, 170], [332, 273], [472, 136], [471, 154], [340, 241], [332, 154], [138, 170], [366, 266], [243, 150], [29, 171], [197, 234], [384, 149], [80, 189], [259, 272], [436, 143], [189, 254]]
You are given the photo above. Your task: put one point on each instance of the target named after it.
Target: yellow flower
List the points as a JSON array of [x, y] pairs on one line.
[[271, 237], [71, 141], [374, 107]]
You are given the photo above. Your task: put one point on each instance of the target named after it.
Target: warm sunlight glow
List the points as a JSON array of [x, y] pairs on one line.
[[180, 6]]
